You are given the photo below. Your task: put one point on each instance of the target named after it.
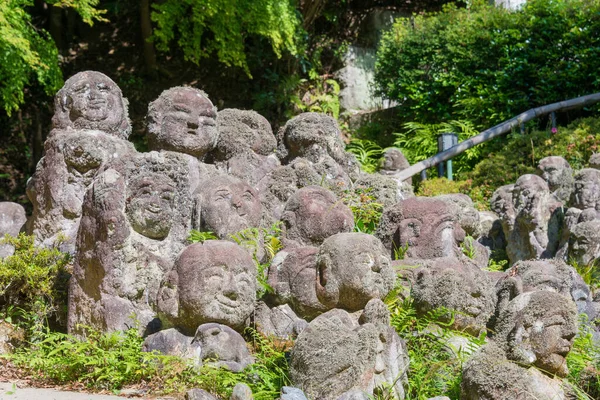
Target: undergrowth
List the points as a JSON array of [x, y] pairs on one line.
[[365, 209]]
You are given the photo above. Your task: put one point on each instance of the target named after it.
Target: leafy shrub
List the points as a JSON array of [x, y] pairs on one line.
[[584, 363], [437, 186], [34, 279], [486, 64], [366, 210], [367, 152]]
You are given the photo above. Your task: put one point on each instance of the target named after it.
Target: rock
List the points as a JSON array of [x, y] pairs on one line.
[[182, 119], [225, 205], [279, 322], [462, 206], [313, 214], [214, 281], [243, 131], [292, 393], [222, 346], [241, 391], [352, 268], [492, 234], [386, 190], [393, 163], [10, 336], [421, 227], [174, 343], [458, 286], [293, 277], [134, 223], [595, 161], [557, 172], [587, 189], [199, 394], [12, 219]]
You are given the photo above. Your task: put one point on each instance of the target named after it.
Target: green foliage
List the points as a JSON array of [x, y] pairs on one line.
[[589, 273], [33, 279], [110, 361], [319, 95], [196, 236], [518, 154], [367, 152], [433, 370], [468, 248], [366, 210], [202, 28], [437, 186], [28, 55], [486, 64], [584, 363]]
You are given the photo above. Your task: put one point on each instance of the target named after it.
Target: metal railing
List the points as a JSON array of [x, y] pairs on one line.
[[498, 130]]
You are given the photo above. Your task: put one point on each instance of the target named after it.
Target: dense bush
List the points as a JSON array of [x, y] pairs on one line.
[[485, 64]]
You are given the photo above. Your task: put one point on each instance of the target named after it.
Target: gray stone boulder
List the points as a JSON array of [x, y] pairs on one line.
[[353, 268], [587, 189], [386, 190], [422, 227], [182, 119], [313, 214], [199, 394], [293, 277], [225, 205], [173, 343], [214, 281], [292, 393], [462, 206], [12, 219], [594, 161], [241, 391], [279, 322], [223, 347], [557, 172], [459, 286], [492, 234], [134, 224]]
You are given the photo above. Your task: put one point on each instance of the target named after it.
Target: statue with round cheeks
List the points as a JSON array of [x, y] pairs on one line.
[[313, 214], [91, 100], [557, 172], [586, 193], [458, 286], [584, 242], [528, 195], [393, 160], [150, 203], [222, 346], [538, 328], [226, 205], [182, 119], [352, 268], [214, 281]]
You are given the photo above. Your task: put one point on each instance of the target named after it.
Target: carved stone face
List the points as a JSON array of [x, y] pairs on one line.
[[394, 160], [528, 194], [149, 205], [428, 228], [83, 156], [217, 283], [313, 214], [587, 189], [91, 100], [463, 288], [353, 268], [538, 328], [554, 169], [183, 120], [221, 344], [584, 242], [228, 205], [501, 201]]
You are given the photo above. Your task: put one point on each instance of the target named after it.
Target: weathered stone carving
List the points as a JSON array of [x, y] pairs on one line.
[[557, 172], [536, 329], [463, 207], [313, 214], [279, 322], [182, 119], [174, 343], [134, 223], [214, 281], [352, 268], [91, 100], [12, 219], [586, 194], [393, 163], [226, 205], [459, 286], [538, 221], [425, 227], [385, 189], [222, 346], [584, 242]]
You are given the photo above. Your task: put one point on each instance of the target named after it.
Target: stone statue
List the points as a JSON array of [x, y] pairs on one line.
[[91, 100], [394, 162], [458, 286], [223, 347], [226, 205], [353, 268], [134, 224], [587, 189], [214, 281], [313, 214], [538, 221], [385, 190], [584, 242], [182, 119], [557, 172], [12, 219], [536, 329], [424, 227]]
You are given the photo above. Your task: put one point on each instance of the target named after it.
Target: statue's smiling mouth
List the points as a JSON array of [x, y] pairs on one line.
[[227, 302], [97, 103], [153, 209]]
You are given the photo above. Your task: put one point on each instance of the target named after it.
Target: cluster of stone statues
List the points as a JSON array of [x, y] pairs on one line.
[[126, 216]]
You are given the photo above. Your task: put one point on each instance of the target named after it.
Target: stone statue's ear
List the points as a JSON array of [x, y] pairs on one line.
[[507, 289], [327, 285], [519, 346]]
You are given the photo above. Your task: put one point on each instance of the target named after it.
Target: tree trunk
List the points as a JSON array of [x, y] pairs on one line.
[[146, 27]]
